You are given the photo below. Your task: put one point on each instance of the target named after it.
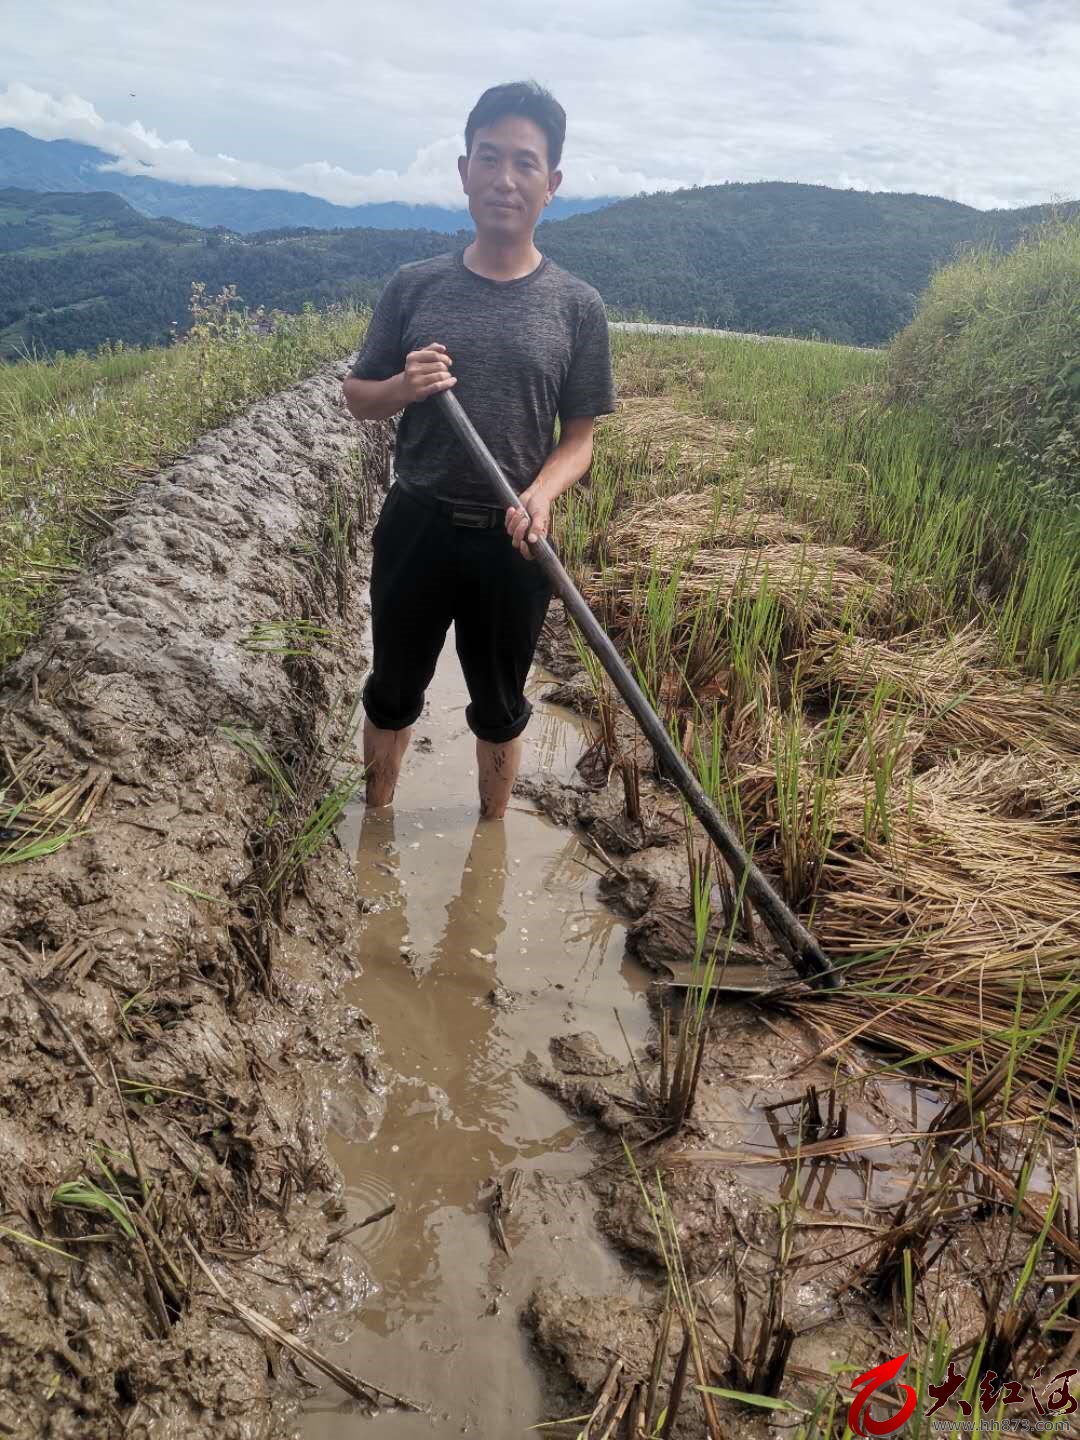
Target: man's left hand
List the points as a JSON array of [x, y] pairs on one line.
[[528, 522]]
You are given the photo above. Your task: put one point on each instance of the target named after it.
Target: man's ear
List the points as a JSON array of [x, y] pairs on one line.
[[554, 181], [463, 168]]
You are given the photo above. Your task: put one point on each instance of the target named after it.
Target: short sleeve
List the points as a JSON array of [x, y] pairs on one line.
[[380, 355], [589, 388]]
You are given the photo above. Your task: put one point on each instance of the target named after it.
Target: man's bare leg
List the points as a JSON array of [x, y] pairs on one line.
[[498, 768], [384, 751]]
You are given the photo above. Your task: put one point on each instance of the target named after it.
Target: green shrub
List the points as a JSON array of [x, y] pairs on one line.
[[994, 354]]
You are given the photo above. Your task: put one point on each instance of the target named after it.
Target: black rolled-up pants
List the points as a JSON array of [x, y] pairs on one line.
[[428, 571]]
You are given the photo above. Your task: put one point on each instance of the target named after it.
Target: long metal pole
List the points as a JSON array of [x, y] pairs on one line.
[[806, 954]]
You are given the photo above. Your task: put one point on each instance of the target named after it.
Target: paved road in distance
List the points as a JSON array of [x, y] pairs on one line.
[[649, 328]]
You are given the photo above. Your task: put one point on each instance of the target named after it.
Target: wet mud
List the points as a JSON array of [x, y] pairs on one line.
[[403, 1139], [119, 968]]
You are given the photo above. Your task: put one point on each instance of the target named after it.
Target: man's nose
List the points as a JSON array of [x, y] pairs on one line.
[[504, 179]]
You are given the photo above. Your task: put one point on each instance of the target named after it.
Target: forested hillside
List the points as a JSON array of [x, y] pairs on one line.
[[774, 258], [35, 226], [130, 278]]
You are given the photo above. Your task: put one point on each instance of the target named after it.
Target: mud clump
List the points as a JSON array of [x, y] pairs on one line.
[[143, 1057], [598, 812], [581, 1335], [582, 1054], [575, 694], [583, 1093], [500, 997]]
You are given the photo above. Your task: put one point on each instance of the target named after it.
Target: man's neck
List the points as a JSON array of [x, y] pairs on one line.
[[502, 262]]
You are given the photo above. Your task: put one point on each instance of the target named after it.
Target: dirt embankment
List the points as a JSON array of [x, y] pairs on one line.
[[132, 960]]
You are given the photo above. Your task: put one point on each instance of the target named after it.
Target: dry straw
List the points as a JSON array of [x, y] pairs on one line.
[[812, 583], [654, 423], [952, 680], [940, 786]]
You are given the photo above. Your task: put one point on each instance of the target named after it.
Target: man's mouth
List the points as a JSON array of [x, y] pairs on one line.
[[502, 205]]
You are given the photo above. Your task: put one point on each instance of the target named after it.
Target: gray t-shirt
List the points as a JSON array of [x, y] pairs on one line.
[[524, 351]]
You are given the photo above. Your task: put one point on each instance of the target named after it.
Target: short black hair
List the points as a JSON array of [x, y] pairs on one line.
[[521, 97]]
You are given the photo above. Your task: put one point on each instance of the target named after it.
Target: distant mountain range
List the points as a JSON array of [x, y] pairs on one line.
[[775, 258], [63, 165]]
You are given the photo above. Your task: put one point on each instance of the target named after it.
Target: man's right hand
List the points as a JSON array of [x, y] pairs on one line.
[[427, 372]]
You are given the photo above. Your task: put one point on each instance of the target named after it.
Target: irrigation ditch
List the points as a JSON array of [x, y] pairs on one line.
[[531, 1185]]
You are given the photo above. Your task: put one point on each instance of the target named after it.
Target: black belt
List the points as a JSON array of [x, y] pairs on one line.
[[460, 512], [473, 517]]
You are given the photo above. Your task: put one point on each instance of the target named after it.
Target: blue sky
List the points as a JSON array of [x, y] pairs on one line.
[[972, 99]]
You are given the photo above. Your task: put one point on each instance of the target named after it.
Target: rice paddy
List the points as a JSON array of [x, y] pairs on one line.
[[867, 640], [822, 605]]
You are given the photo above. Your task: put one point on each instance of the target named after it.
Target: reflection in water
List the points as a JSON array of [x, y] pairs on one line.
[[555, 738], [474, 922], [480, 941], [442, 1148], [871, 1177], [587, 929]]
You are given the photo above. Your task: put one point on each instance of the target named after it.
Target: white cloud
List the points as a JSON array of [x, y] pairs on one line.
[[972, 99], [431, 177], [70, 117]]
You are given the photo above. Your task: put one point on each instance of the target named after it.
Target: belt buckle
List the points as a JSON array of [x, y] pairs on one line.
[[470, 515]]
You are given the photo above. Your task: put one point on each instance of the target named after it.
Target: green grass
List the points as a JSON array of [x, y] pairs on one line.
[[965, 533], [85, 1194], [307, 799], [994, 354], [78, 433], [21, 1238], [291, 637]]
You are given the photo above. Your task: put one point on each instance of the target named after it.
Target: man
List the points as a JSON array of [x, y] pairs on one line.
[[522, 342]]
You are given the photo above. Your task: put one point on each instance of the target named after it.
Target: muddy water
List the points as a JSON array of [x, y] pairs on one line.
[[480, 942]]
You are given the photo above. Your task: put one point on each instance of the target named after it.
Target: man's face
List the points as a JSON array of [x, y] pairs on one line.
[[506, 177]]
